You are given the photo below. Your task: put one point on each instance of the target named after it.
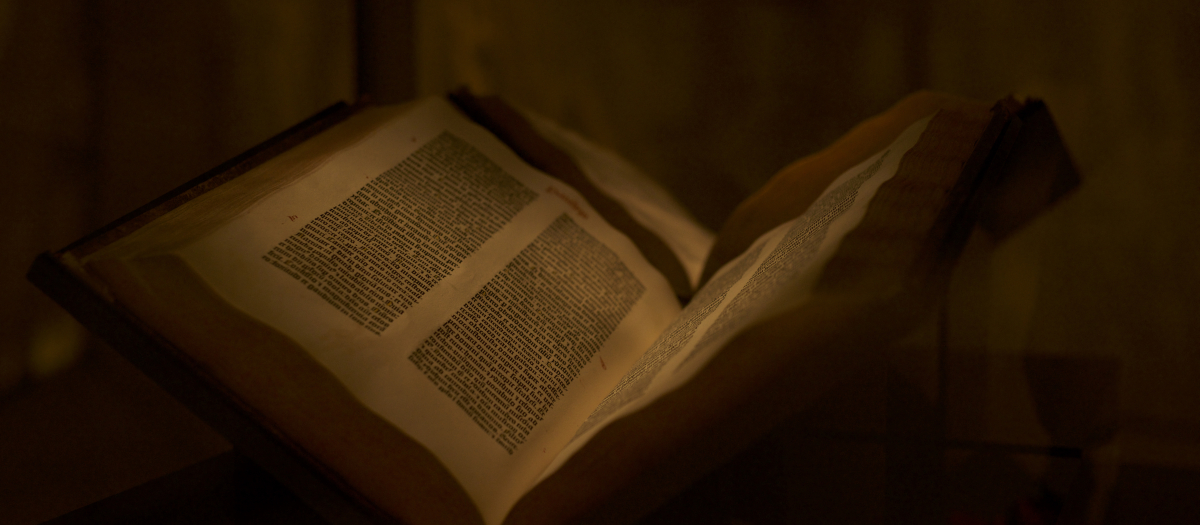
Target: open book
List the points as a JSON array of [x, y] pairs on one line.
[[402, 306]]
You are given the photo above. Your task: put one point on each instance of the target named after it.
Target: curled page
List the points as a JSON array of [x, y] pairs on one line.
[[777, 273]]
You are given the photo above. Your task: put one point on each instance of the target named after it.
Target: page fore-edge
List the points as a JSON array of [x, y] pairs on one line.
[[214, 177]]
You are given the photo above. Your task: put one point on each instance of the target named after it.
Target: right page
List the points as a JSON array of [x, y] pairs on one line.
[[777, 273], [840, 255]]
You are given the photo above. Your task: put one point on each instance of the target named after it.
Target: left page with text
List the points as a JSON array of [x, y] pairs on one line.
[[480, 306]]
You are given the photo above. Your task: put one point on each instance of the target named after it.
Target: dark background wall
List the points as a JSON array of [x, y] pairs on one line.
[[104, 105]]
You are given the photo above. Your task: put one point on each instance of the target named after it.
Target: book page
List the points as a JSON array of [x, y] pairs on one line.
[[477, 304], [777, 273]]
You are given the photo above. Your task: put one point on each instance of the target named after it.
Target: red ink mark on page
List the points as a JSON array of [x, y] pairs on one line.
[[292, 217], [570, 202], [602, 365]]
